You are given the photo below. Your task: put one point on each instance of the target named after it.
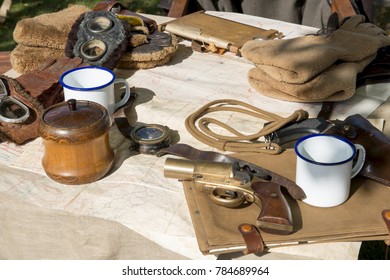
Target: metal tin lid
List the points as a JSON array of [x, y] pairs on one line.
[[74, 121]]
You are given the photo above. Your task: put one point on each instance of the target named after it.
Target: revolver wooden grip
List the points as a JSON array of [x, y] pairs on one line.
[[275, 216]]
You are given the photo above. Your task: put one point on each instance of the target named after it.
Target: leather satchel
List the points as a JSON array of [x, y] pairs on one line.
[[358, 219]]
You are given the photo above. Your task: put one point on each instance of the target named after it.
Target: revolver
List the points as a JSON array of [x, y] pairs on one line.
[[226, 185]]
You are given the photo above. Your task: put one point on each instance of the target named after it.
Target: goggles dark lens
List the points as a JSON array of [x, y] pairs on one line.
[[93, 50], [99, 24]]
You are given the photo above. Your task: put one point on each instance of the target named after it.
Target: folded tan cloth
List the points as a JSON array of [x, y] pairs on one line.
[[48, 30], [25, 58], [45, 37], [299, 59], [144, 56], [336, 83]]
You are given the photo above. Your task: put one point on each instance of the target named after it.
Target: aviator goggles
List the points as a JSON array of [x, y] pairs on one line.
[[11, 109]]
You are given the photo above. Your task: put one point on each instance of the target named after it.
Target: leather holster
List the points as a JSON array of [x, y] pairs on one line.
[[359, 130]]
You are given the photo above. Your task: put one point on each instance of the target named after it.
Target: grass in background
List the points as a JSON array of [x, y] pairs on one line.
[[382, 17]]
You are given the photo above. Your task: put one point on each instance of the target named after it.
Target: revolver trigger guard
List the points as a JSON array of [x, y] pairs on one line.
[[225, 198]]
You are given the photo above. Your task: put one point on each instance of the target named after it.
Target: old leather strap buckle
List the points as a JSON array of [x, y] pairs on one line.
[[252, 237]]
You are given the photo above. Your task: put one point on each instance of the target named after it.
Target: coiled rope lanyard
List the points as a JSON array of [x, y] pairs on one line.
[[198, 126]]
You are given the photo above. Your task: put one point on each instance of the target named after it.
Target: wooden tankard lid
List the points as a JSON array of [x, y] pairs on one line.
[[74, 121]]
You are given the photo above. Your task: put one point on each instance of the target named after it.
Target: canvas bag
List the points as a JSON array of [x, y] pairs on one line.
[[358, 219]]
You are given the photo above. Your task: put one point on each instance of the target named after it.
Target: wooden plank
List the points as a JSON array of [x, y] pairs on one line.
[[178, 8], [5, 63]]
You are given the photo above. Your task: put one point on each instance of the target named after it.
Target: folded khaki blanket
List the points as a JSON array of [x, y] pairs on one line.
[[299, 69], [48, 30], [46, 36], [336, 83], [25, 58]]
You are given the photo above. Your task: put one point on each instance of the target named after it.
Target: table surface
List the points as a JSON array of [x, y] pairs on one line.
[[135, 194]]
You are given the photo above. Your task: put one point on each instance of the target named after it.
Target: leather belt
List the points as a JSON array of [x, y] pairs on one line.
[[252, 237]]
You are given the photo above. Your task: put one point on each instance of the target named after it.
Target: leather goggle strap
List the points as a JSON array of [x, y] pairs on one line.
[[118, 8], [252, 237], [120, 118]]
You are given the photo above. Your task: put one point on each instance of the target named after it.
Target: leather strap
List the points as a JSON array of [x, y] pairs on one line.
[[118, 8], [198, 126], [252, 237], [120, 118], [326, 110]]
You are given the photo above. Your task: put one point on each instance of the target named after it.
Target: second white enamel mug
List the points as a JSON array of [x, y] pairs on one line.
[[325, 166]]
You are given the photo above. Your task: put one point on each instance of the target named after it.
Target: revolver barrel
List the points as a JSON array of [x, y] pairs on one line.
[[186, 170]]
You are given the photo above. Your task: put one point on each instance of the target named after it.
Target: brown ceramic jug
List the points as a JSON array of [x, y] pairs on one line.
[[76, 142]]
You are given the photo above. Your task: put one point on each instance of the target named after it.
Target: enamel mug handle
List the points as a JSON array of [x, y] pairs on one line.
[[127, 93], [360, 160]]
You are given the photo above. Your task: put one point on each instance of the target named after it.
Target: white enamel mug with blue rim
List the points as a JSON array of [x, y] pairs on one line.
[[95, 84], [325, 166]]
